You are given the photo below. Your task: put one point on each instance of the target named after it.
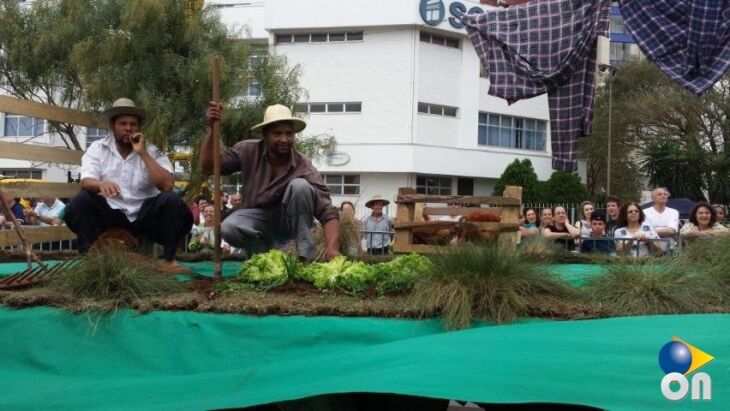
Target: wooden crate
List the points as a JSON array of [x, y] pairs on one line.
[[407, 219]]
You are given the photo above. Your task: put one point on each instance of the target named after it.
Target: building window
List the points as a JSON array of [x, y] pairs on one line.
[[319, 37], [342, 184], [440, 40], [32, 174], [313, 108], [95, 134], [511, 132], [433, 185], [22, 126], [436, 109]]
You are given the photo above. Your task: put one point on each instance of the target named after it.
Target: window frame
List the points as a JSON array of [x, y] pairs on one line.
[[439, 188], [511, 132], [342, 184]]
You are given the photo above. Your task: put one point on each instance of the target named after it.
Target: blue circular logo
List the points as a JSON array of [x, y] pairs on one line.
[[433, 12], [675, 357]]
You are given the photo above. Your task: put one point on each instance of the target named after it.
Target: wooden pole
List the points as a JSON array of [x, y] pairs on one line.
[[216, 132], [29, 254]]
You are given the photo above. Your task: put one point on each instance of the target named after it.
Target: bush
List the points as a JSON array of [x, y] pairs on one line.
[[630, 289], [113, 273], [484, 282]]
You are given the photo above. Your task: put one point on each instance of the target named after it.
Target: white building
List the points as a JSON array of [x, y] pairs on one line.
[[398, 84]]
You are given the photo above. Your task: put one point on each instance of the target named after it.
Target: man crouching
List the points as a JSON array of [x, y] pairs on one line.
[[283, 191], [126, 184]]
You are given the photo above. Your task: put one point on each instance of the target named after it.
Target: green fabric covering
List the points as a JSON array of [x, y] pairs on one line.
[[191, 361], [202, 268], [574, 274], [8, 269]]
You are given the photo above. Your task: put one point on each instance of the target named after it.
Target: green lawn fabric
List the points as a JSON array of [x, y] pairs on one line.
[[201, 268], [574, 274], [191, 361]]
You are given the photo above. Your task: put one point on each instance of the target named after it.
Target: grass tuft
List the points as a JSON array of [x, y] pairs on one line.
[[110, 274], [349, 237], [632, 289], [485, 282]]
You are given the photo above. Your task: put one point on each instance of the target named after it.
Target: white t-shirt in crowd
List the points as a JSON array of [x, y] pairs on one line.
[[668, 218], [103, 162], [43, 210]]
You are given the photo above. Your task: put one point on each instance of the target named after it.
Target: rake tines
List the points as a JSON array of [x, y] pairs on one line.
[[35, 275]]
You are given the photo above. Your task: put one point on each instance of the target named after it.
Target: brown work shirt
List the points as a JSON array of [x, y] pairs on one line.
[[262, 189]]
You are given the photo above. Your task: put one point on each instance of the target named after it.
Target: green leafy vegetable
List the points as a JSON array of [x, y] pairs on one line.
[[266, 269], [400, 274], [339, 274]]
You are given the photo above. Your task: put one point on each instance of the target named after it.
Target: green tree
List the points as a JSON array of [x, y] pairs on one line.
[[520, 173], [84, 54], [681, 171], [647, 108], [566, 188]]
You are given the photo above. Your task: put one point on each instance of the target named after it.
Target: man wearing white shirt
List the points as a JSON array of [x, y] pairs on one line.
[[128, 184], [665, 220], [47, 212]]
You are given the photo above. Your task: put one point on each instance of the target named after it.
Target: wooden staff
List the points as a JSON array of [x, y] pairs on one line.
[[216, 132], [30, 256]]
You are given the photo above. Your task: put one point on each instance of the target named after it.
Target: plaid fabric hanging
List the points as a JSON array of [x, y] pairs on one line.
[[545, 46], [688, 39]]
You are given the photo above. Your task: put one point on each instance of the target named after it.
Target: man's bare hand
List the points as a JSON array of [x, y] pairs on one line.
[[332, 253], [29, 212], [137, 140], [109, 189], [215, 112]]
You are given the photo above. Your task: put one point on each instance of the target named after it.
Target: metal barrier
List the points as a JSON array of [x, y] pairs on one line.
[[629, 246], [371, 238]]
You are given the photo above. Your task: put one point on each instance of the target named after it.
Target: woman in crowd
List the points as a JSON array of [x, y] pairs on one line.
[[584, 223], [561, 231], [631, 225], [203, 236], [546, 218], [720, 213], [347, 207], [702, 222], [529, 223]]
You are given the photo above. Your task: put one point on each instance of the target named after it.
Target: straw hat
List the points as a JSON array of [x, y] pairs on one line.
[[278, 112], [375, 198], [123, 106]]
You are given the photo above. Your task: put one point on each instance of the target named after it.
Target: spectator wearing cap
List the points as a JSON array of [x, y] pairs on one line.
[[596, 241], [127, 184], [283, 191], [377, 227]]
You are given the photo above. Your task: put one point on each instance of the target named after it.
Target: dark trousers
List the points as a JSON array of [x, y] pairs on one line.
[[165, 219]]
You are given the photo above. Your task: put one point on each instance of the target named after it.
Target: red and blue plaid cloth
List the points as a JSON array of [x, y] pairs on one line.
[[688, 39], [545, 46]]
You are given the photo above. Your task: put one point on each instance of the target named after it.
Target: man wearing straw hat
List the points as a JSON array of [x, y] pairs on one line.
[[283, 191], [126, 184], [377, 227]]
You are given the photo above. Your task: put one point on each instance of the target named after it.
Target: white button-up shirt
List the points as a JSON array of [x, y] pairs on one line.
[[44, 210], [103, 162]]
